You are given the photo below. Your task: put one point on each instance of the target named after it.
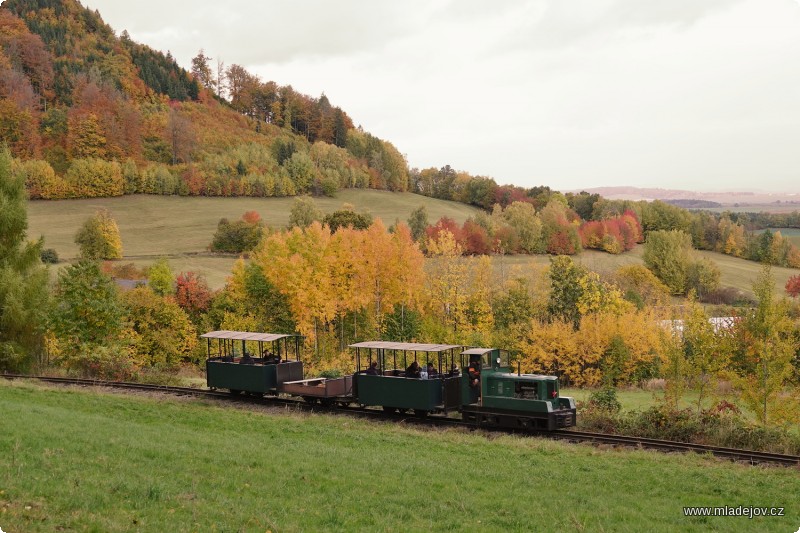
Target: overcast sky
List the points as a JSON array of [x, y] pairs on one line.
[[691, 94]]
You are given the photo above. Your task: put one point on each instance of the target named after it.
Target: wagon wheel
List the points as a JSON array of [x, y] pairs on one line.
[[326, 402], [387, 409], [311, 400], [420, 413]]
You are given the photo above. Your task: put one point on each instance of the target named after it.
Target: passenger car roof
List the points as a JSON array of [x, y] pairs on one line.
[[245, 336], [405, 346]]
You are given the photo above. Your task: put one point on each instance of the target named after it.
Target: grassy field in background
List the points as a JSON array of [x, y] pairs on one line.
[[735, 272], [173, 225], [83, 460], [793, 234], [773, 207], [181, 228]]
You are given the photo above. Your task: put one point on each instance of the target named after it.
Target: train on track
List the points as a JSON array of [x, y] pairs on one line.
[[438, 379]]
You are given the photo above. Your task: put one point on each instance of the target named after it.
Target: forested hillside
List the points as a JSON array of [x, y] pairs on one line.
[[88, 113]]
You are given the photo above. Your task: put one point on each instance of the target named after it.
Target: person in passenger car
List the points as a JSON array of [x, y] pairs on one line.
[[373, 369], [413, 370], [432, 370], [246, 359]]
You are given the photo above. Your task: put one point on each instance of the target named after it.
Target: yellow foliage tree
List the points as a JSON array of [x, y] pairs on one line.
[[445, 289], [99, 237]]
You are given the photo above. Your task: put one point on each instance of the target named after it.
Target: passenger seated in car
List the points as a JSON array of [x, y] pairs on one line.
[[246, 359], [413, 370], [373, 369], [432, 370], [270, 357]]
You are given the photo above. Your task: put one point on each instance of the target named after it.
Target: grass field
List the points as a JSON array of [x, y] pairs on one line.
[[793, 234], [172, 225], [735, 272], [89, 461], [772, 207], [181, 229]]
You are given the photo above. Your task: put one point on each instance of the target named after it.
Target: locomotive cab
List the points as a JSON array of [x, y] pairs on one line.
[[504, 398]]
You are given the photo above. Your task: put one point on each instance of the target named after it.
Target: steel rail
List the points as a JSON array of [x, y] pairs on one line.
[[749, 456]]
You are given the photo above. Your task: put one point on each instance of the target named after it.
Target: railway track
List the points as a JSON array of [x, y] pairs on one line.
[[733, 454]]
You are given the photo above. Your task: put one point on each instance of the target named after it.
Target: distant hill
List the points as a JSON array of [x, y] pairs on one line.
[[676, 197]]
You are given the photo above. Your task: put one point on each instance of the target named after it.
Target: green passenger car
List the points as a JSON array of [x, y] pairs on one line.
[[385, 376], [256, 363]]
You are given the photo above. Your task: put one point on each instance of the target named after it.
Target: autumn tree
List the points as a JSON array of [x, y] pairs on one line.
[[201, 70], [298, 263], [192, 293], [87, 309], [90, 178], [528, 227], [160, 278], [702, 277], [99, 237], [566, 291], [708, 351], [162, 334], [769, 345], [417, 222], [303, 212], [793, 286], [23, 279], [238, 236], [347, 218], [181, 135], [388, 267], [666, 254], [446, 291]]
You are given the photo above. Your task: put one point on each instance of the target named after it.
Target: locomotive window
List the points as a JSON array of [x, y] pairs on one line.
[[551, 389]]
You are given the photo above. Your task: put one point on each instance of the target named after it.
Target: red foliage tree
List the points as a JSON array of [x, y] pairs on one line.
[[445, 223], [192, 293], [475, 239], [592, 234], [251, 217], [793, 286], [561, 243]]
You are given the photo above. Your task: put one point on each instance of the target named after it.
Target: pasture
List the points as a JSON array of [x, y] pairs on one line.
[[153, 226], [88, 460], [181, 229]]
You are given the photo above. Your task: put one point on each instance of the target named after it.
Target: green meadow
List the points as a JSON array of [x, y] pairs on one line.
[[181, 228], [85, 460]]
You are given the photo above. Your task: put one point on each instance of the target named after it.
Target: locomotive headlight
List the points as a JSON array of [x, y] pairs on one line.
[[498, 360]]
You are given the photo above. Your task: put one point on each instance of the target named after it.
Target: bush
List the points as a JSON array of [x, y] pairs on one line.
[[727, 296], [49, 256], [721, 425], [236, 237], [605, 400]]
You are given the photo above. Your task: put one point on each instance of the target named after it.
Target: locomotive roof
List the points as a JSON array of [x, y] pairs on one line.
[[477, 351], [407, 346], [245, 336]]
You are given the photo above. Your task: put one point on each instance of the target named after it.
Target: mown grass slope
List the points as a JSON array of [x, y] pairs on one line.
[[78, 460], [168, 225], [181, 228]]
